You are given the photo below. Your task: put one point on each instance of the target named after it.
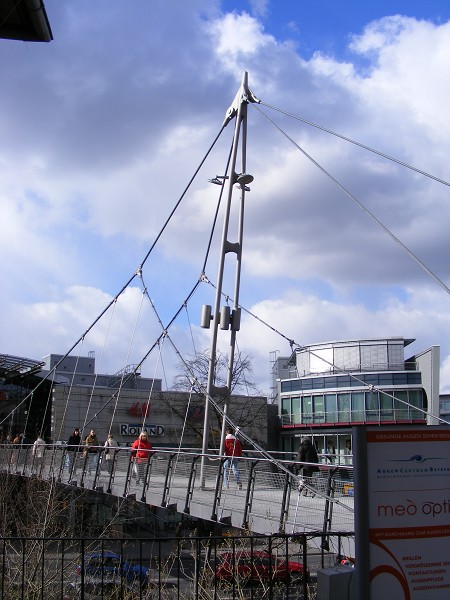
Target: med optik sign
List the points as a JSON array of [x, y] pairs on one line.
[[402, 512], [412, 510]]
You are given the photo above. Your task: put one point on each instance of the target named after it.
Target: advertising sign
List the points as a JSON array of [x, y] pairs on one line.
[[135, 429], [407, 474]]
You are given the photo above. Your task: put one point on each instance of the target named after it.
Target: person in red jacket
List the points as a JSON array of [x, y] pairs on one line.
[[141, 451], [233, 450]]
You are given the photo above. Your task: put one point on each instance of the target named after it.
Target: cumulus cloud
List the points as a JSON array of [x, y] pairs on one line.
[[103, 128]]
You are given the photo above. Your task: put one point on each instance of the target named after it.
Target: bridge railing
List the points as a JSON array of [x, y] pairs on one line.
[[271, 495]]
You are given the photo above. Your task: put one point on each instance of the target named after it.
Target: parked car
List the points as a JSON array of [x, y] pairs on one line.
[[107, 566], [257, 567]]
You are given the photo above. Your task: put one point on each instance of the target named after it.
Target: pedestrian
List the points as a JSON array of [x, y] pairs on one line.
[[233, 452], [348, 452], [91, 450], [73, 447], [140, 455], [110, 453], [331, 452], [307, 453], [38, 451]]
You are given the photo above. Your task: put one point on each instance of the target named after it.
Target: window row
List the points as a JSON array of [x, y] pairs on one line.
[[354, 407], [359, 380]]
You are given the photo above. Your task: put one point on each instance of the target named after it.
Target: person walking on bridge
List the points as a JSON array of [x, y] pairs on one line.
[[91, 450], [38, 452], [141, 451], [110, 452], [307, 453], [233, 451], [73, 447]]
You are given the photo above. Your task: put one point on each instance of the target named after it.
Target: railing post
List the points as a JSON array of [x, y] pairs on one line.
[[191, 483], [285, 502], [112, 469], [249, 495], [218, 490], [166, 489], [128, 477], [146, 479], [328, 512]]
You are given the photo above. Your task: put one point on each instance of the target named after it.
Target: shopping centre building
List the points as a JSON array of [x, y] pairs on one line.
[[326, 389], [321, 390], [60, 393]]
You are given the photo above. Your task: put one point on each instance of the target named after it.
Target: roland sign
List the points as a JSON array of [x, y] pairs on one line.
[[135, 429]]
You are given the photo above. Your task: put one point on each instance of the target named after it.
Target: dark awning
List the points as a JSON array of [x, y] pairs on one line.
[[24, 20]]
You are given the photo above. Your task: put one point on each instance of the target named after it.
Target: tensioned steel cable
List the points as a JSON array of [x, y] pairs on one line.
[[360, 204], [150, 350], [130, 280], [347, 139], [336, 368]]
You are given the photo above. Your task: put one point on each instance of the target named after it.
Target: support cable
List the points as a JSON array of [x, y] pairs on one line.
[[126, 362], [127, 284], [341, 370], [347, 139], [361, 206], [150, 350]]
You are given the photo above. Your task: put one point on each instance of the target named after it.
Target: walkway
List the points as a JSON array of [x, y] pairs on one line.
[[269, 501]]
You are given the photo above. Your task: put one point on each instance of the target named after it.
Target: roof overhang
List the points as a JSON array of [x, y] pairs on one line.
[[24, 20], [17, 366]]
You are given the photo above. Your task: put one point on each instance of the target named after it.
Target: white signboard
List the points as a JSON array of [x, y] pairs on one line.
[[408, 485]]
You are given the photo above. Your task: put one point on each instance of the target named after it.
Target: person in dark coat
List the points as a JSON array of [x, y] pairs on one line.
[[73, 445], [307, 453]]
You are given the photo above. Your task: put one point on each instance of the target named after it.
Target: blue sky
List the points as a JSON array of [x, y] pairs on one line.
[[101, 130], [327, 25]]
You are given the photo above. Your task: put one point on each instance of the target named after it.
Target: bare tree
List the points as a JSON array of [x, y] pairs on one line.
[[194, 373]]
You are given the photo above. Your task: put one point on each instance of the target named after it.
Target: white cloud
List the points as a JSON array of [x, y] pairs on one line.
[[238, 36], [102, 129]]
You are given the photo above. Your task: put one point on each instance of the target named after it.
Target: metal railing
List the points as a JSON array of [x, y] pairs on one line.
[[189, 568], [268, 499]]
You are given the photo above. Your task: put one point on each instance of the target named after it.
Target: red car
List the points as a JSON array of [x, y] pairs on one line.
[[257, 567]]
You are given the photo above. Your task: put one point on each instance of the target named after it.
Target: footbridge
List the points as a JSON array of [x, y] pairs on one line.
[[271, 499]]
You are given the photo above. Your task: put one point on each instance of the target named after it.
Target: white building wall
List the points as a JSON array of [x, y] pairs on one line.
[[428, 363]]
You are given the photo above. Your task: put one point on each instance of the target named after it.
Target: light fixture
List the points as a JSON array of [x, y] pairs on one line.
[[244, 178]]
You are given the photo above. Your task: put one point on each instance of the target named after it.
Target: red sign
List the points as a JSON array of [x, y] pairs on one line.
[[139, 410]]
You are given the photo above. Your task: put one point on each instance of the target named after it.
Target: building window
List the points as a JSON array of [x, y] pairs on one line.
[[319, 412], [401, 406], [296, 411], [386, 409], [374, 356], [372, 406], [358, 412], [306, 409], [344, 407], [415, 400], [286, 411], [330, 408]]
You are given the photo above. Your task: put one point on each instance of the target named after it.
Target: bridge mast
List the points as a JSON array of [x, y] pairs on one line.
[[223, 317]]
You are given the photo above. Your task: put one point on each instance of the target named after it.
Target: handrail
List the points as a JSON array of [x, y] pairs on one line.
[[270, 498]]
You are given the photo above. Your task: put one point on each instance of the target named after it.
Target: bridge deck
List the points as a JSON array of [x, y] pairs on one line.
[[269, 501]]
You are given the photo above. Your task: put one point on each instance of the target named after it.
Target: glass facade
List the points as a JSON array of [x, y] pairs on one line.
[[326, 389], [354, 407], [346, 381]]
